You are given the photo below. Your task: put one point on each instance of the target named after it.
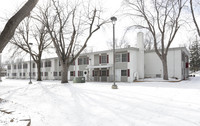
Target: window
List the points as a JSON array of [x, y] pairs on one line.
[[55, 74], [80, 73], [83, 61], [41, 73], [25, 66], [104, 73], [59, 63], [80, 61], [24, 74], [117, 57], [104, 59], [19, 66], [59, 73], [46, 74], [34, 74], [123, 72], [95, 73], [124, 57], [20, 74], [48, 64], [33, 65], [15, 66], [9, 67], [14, 74], [72, 73]]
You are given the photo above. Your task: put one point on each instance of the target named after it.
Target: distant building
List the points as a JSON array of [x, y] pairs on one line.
[[131, 63]]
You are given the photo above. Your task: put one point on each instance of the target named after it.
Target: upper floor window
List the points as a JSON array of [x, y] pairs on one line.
[[122, 57], [9, 67], [33, 65], [15, 66], [47, 63], [25, 65], [19, 66], [104, 59], [83, 61]]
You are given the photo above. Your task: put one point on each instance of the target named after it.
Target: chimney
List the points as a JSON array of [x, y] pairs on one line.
[[140, 44]]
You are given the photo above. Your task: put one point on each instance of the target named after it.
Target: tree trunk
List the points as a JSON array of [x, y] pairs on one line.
[[14, 21], [39, 71], [165, 68], [64, 75]]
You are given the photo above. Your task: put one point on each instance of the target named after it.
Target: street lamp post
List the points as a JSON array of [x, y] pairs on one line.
[[114, 19], [30, 44]]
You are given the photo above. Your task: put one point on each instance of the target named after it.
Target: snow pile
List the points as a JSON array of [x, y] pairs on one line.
[[50, 103]]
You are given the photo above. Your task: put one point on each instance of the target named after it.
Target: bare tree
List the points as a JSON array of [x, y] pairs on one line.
[[162, 18], [119, 44], [194, 17], [70, 25], [25, 33], [148, 41], [14, 21]]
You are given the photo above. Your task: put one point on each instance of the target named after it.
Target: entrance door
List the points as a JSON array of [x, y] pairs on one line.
[[96, 74], [104, 75]]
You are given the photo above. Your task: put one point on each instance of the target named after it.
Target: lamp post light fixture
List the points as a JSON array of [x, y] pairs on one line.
[[30, 82], [114, 19]]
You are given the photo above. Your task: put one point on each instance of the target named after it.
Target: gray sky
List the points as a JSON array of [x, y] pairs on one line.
[[100, 39]]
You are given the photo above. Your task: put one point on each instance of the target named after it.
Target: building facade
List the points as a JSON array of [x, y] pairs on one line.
[[131, 64]]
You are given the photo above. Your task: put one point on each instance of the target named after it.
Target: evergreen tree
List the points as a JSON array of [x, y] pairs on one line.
[[195, 56]]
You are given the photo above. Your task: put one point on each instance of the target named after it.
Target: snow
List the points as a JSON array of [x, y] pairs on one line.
[[50, 103]]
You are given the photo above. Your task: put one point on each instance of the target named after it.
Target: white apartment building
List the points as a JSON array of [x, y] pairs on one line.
[[131, 63]]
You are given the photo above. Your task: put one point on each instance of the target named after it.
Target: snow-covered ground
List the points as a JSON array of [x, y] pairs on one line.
[[50, 103]]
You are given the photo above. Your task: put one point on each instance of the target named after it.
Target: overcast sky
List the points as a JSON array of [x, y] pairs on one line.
[[100, 39]]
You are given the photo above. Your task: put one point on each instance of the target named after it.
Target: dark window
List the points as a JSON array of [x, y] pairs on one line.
[[48, 64], [80, 73], [33, 65], [117, 57], [34, 74], [46, 74], [24, 74], [25, 65], [15, 66], [72, 73], [83, 61], [55, 73], [104, 73], [59, 73], [14, 74], [9, 67], [125, 57], [59, 63], [104, 59], [123, 72], [19, 66], [20, 74]]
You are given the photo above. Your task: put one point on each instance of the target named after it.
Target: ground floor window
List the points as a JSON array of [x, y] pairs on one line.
[[46, 74], [55, 74], [125, 72], [72, 73], [80, 73]]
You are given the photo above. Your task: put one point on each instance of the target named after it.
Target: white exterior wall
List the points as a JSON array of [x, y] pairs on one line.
[[133, 65], [140, 58], [153, 64]]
